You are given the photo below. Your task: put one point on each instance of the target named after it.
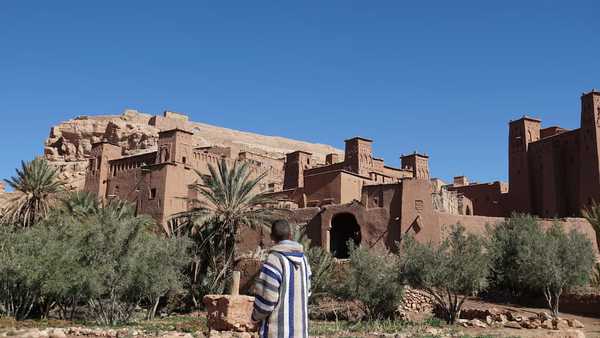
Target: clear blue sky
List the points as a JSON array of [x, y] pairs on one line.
[[441, 77]]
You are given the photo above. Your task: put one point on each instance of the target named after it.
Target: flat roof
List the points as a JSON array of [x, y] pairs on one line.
[[415, 154], [174, 130], [593, 92], [300, 151], [359, 138], [525, 117]]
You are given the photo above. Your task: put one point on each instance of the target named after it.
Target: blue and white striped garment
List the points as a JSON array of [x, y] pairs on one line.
[[282, 291]]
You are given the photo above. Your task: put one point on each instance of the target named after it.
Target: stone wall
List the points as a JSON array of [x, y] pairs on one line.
[[477, 224]]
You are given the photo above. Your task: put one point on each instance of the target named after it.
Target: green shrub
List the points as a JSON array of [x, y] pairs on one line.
[[373, 279], [449, 272], [109, 260], [321, 264], [527, 258], [506, 240], [20, 282], [554, 261], [595, 277]]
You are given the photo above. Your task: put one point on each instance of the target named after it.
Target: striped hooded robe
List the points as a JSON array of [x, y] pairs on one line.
[[281, 292]]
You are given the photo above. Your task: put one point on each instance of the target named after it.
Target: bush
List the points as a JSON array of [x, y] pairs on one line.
[[450, 272], [554, 261], [110, 261], [373, 279], [20, 283], [321, 264], [506, 240]]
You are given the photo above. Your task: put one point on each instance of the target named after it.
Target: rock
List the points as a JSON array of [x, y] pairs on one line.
[[432, 331], [560, 324], [477, 323], [242, 335], [547, 324], [229, 313], [531, 324], [544, 316], [175, 334], [14, 332], [501, 318], [31, 333], [575, 323], [512, 325], [489, 320], [57, 333]]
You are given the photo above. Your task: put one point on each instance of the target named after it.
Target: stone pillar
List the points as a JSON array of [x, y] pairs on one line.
[[229, 313]]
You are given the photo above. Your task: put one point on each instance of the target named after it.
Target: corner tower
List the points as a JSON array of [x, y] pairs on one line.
[[295, 163], [589, 135], [521, 133], [174, 145], [418, 163], [358, 155], [98, 171]]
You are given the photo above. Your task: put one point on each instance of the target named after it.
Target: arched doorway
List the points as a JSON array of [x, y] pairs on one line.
[[343, 228]]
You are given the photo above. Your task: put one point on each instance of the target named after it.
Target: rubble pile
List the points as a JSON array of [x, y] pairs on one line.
[[497, 318]]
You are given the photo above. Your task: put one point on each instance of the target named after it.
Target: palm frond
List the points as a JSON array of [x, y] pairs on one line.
[[37, 187]]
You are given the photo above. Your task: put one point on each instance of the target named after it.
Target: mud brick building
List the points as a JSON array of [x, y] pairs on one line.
[[358, 196], [553, 172]]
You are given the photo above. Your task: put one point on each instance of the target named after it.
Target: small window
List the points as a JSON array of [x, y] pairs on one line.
[[152, 193], [183, 159]]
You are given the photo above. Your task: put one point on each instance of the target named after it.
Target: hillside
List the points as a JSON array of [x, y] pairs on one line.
[[70, 142]]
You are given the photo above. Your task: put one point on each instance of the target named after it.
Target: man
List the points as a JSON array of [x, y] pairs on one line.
[[283, 287]]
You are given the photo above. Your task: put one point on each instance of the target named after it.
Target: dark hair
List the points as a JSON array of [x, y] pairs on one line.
[[280, 230]]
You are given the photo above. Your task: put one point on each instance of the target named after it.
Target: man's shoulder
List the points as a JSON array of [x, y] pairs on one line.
[[274, 257]]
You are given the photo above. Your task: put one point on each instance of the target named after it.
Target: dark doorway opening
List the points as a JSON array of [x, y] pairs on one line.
[[343, 228]]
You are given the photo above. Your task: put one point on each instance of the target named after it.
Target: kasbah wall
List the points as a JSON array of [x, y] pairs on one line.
[[553, 172]]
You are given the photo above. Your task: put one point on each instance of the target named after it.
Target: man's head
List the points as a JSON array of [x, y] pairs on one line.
[[280, 230]]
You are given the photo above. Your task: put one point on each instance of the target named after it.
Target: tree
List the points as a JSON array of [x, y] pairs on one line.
[[450, 272], [80, 204], [36, 185], [373, 280], [505, 240], [321, 263], [592, 215], [19, 279], [109, 260], [229, 198], [554, 261], [132, 264]]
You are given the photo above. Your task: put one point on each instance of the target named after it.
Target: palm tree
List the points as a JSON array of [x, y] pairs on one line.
[[592, 214], [80, 204], [229, 198], [36, 186]]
